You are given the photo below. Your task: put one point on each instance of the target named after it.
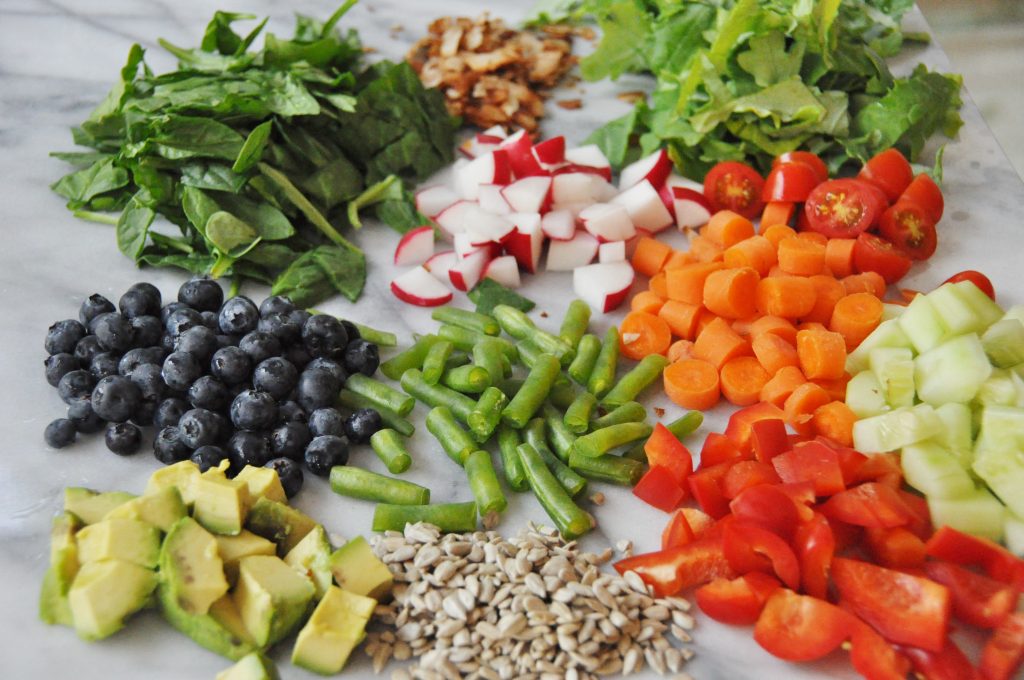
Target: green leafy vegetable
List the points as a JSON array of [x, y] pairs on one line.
[[488, 294]]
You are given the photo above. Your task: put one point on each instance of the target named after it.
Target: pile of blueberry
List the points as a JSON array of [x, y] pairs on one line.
[[218, 379]]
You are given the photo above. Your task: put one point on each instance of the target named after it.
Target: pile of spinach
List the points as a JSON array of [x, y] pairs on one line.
[[259, 157], [750, 79]]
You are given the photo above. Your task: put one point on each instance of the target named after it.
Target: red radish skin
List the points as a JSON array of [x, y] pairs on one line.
[[416, 247], [603, 286], [520, 155], [468, 271], [551, 151], [644, 206], [490, 168], [418, 287], [566, 256], [589, 156], [691, 208], [654, 168], [525, 243]]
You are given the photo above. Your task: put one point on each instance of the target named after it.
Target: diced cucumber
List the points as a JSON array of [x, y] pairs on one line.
[[985, 308], [886, 334], [935, 471], [894, 430], [921, 324], [1013, 534], [1003, 388], [979, 513], [957, 314], [894, 369], [1003, 471], [891, 311], [953, 371], [956, 435], [864, 395], [1015, 312], [1001, 430], [1004, 343]]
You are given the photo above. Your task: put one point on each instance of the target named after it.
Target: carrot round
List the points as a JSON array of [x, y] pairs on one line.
[[742, 379], [783, 328], [659, 285], [641, 334], [704, 318], [686, 284], [777, 390], [773, 352], [646, 301], [776, 212], [835, 421], [811, 326], [681, 318], [692, 384], [822, 354], [679, 350], [836, 388], [776, 233], [839, 256], [677, 259], [828, 291], [855, 316], [868, 282], [650, 255], [813, 237], [718, 343], [703, 249], [801, 405], [726, 228], [756, 252], [801, 257], [790, 297], [730, 293]]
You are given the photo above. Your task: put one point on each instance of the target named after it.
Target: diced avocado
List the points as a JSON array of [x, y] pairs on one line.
[[280, 523], [121, 539], [190, 564], [263, 483], [180, 475], [53, 600], [162, 508], [53, 596], [105, 593], [221, 504], [357, 569], [312, 558], [91, 506], [271, 597], [335, 628], [253, 666], [212, 631], [234, 548]]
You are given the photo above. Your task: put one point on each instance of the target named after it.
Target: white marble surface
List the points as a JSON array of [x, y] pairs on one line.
[[57, 58]]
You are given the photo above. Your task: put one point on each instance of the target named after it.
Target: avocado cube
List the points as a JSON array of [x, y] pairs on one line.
[[221, 504], [234, 548], [221, 630], [181, 475], [263, 483], [271, 597], [53, 600], [335, 628], [253, 666], [357, 569], [280, 523], [161, 509], [91, 506], [62, 534], [120, 539], [105, 593], [53, 595], [190, 564], [312, 558]]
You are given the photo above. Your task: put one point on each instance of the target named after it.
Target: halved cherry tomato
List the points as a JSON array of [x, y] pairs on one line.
[[790, 182], [975, 277], [658, 487], [769, 507], [718, 449], [908, 226], [874, 254], [868, 505], [955, 546], [948, 664], [805, 157], [748, 547], [978, 600], [811, 462], [706, 487], [889, 171], [925, 193], [746, 474], [873, 657], [769, 438], [664, 448], [843, 208], [815, 546], [800, 627], [677, 569], [677, 532], [895, 547], [736, 601], [906, 609], [1003, 653], [735, 186]]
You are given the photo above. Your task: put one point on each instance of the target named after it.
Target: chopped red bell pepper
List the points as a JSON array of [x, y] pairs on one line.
[[802, 494], [883, 468], [1003, 653], [812, 462], [739, 427], [719, 449], [664, 449], [672, 571], [737, 601], [677, 532], [768, 506], [868, 505], [920, 517], [977, 599], [769, 438], [706, 487], [950, 663], [895, 547], [658, 487], [815, 545], [745, 474], [998, 562], [749, 547], [800, 627], [874, 657]]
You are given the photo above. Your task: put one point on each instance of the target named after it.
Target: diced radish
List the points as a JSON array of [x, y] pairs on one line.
[[550, 151], [416, 247], [603, 286], [454, 218], [580, 187], [464, 245], [608, 222], [489, 228], [504, 270], [433, 200], [573, 209], [490, 168], [677, 180], [440, 263], [418, 287], [559, 225], [590, 156], [467, 272], [692, 208], [564, 256], [644, 206], [654, 168], [478, 145], [495, 131], [529, 194], [613, 251], [526, 241], [492, 201], [520, 155], [667, 199]]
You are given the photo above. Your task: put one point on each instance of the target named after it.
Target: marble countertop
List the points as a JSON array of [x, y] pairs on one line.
[[57, 59]]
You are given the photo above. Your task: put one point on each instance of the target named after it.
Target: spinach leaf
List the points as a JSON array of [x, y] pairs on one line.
[[231, 235], [213, 176], [188, 136], [345, 269], [304, 282], [133, 226], [252, 149], [387, 189], [81, 186], [488, 294], [270, 222]]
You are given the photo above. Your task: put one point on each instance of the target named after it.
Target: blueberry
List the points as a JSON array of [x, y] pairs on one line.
[[325, 452], [152, 295], [145, 412], [324, 336], [103, 364], [223, 425], [298, 355], [181, 369], [290, 474], [238, 315], [114, 333], [317, 389], [209, 393], [124, 439], [181, 320], [75, 385], [281, 328], [231, 365], [275, 376], [276, 304], [247, 448], [93, 306], [361, 425], [135, 303], [169, 412], [361, 357], [351, 330], [168, 447], [148, 378], [299, 317], [224, 340], [199, 341], [199, 427], [171, 308], [333, 367], [139, 356], [58, 365], [208, 456], [210, 320], [63, 336], [86, 349], [326, 421], [114, 398], [59, 433], [291, 412], [253, 410], [85, 419], [260, 345], [290, 440], [167, 343], [147, 331], [202, 294]]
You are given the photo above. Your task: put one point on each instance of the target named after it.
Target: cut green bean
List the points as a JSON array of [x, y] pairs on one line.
[[458, 358], [574, 325], [508, 440], [506, 366], [559, 436], [636, 380], [602, 377], [380, 394], [410, 358], [510, 386], [484, 418], [370, 486], [465, 339], [535, 436], [686, 424], [437, 395], [528, 353], [488, 355], [390, 418], [377, 337], [605, 468], [577, 416], [474, 321], [637, 453], [433, 363], [603, 441], [563, 393], [448, 517], [521, 327], [630, 412], [390, 448], [586, 355], [568, 517], [468, 379], [483, 482], [455, 441], [535, 390]]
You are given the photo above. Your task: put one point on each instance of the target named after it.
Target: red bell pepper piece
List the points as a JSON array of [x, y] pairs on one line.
[[738, 601], [802, 494], [800, 627], [719, 449], [769, 507], [998, 562], [658, 487], [749, 547], [1003, 653], [883, 468], [815, 545], [739, 427], [920, 517], [706, 487], [665, 450], [745, 474], [677, 532], [948, 664], [874, 657], [769, 438], [895, 547], [977, 599], [868, 505], [671, 571], [811, 462]]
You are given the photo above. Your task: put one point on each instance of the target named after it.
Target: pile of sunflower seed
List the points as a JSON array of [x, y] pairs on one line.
[[482, 606]]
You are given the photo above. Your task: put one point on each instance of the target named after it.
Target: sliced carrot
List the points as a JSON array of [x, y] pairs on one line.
[[646, 301], [835, 421], [703, 249], [677, 259], [822, 354], [868, 282], [704, 318], [641, 334], [692, 384], [776, 212], [776, 233], [839, 256], [801, 405], [679, 350], [784, 328], [828, 291], [777, 271], [835, 388], [731, 293], [681, 318], [686, 284], [774, 352], [811, 326], [658, 285], [855, 316], [718, 343], [726, 228], [650, 255], [777, 390], [756, 252], [742, 379], [813, 237], [790, 297], [801, 257]]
